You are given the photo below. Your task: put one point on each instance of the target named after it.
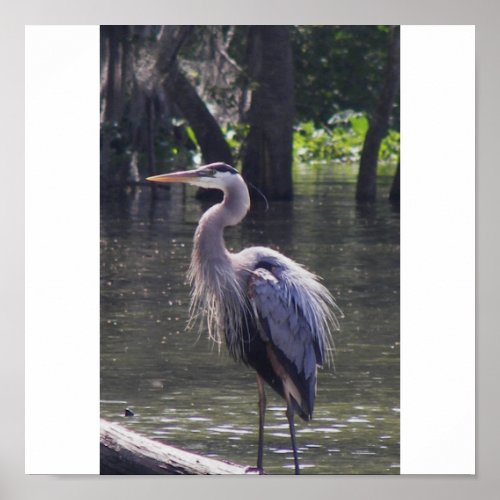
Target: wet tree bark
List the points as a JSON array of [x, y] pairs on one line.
[[210, 138], [182, 93], [212, 143], [147, 103], [267, 159], [114, 48], [113, 55], [126, 452], [366, 189]]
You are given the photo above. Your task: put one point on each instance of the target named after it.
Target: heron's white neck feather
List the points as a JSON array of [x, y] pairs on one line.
[[215, 287]]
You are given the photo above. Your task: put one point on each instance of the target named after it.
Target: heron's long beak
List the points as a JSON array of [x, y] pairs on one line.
[[186, 176]]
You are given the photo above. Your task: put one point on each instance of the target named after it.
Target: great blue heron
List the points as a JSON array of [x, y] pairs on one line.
[[273, 314]]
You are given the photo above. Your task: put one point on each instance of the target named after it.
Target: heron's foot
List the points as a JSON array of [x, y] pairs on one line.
[[254, 470]]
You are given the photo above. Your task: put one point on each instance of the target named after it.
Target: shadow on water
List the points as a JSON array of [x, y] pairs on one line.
[[183, 390], [366, 212]]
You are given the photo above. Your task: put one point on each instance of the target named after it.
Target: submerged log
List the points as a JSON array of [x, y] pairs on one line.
[[126, 452]]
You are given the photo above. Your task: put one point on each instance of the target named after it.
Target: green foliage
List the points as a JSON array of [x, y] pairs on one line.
[[389, 149], [235, 135], [341, 141], [190, 133], [359, 124], [337, 68], [183, 148], [177, 146]]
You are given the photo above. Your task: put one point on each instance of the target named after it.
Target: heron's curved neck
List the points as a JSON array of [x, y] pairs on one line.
[[215, 287], [209, 240]]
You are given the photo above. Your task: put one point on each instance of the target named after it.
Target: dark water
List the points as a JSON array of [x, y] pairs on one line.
[[184, 391]]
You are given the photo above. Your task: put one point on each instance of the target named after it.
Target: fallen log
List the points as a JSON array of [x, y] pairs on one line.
[[125, 452]]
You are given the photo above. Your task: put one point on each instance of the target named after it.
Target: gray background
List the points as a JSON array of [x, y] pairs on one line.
[[14, 15]]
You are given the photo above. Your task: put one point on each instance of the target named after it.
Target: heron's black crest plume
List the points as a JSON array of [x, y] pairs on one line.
[[221, 167], [264, 197]]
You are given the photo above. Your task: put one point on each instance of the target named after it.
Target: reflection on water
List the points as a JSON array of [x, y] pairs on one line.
[[183, 389]]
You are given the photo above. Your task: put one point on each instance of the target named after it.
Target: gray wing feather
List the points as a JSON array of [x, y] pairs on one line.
[[284, 321]]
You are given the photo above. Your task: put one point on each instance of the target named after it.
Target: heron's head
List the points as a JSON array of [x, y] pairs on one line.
[[213, 176]]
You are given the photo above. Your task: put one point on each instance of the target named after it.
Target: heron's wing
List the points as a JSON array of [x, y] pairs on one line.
[[286, 324]]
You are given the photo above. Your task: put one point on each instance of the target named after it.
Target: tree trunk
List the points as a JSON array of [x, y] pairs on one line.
[[113, 50], [114, 37], [366, 190], [209, 136], [212, 143], [126, 452], [267, 160]]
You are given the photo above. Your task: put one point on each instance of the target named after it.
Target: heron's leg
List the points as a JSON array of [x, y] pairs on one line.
[[289, 415], [262, 411]]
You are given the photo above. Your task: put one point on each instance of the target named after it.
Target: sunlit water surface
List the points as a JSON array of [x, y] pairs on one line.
[[189, 393]]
